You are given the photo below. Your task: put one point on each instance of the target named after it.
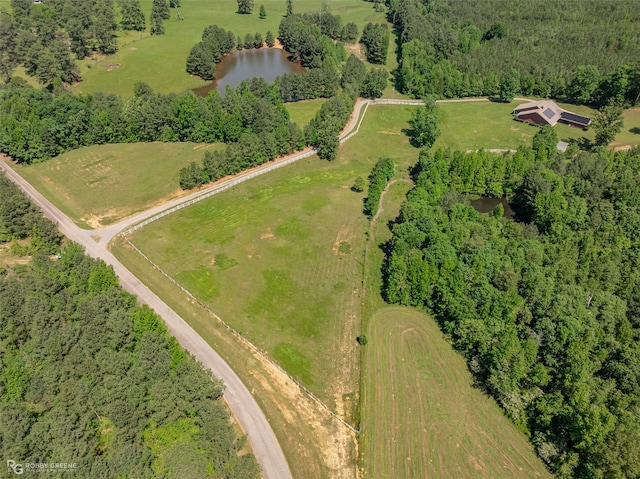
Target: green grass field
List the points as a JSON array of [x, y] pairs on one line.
[[630, 134], [302, 112], [490, 125], [421, 415], [100, 184], [160, 60]]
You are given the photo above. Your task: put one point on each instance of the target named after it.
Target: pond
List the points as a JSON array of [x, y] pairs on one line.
[[484, 204], [267, 63]]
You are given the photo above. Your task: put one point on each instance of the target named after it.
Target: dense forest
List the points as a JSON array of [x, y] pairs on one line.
[[582, 51], [546, 307], [88, 377]]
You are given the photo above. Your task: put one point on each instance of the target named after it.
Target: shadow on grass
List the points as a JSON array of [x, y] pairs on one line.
[[635, 130]]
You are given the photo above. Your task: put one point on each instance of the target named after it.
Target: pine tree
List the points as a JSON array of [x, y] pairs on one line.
[[289, 8], [104, 27], [132, 15], [263, 12], [159, 12], [269, 39]]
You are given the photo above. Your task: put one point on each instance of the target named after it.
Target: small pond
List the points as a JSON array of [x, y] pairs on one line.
[[484, 204], [267, 63]]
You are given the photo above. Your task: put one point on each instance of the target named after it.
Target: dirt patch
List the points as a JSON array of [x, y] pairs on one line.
[[386, 132], [345, 236], [133, 48], [113, 66], [267, 235]]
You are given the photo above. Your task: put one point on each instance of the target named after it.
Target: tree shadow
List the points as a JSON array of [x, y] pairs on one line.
[[635, 130]]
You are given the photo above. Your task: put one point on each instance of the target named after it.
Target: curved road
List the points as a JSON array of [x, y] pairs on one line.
[[251, 418]]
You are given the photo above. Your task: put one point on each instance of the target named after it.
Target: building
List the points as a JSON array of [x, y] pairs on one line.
[[546, 112]]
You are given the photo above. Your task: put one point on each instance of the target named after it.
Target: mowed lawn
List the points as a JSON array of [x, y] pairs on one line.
[[422, 418], [279, 257], [160, 60], [475, 125], [100, 184]]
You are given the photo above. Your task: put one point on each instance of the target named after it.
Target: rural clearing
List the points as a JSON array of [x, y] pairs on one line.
[[422, 418]]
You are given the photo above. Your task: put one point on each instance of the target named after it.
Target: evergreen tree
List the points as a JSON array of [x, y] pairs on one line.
[[263, 12], [510, 85], [132, 15], [269, 39], [289, 8], [424, 125], [104, 27], [159, 13], [257, 40]]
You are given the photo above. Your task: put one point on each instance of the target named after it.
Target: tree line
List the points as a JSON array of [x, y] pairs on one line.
[[36, 125], [89, 377], [451, 49], [379, 178], [545, 309]]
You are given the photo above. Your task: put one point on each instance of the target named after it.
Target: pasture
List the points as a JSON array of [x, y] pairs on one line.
[[100, 184], [302, 112], [421, 417], [160, 60]]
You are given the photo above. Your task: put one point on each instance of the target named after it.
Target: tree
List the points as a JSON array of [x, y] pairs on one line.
[[245, 7], [374, 82], [546, 137], [159, 13], [132, 15], [249, 41], [510, 85], [263, 12], [584, 84], [349, 33], [358, 185], [424, 125], [608, 123], [289, 8], [104, 27], [8, 58], [269, 39], [257, 40], [375, 38]]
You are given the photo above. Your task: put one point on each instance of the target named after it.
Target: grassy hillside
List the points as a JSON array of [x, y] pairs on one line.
[[160, 60], [421, 416]]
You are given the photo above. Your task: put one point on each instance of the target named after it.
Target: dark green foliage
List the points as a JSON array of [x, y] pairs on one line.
[[607, 123], [584, 52], [257, 40], [378, 179], [309, 38], [20, 219], [254, 123], [263, 12], [104, 27], [132, 15], [205, 54], [289, 8], [510, 85], [546, 311], [375, 38], [323, 131], [87, 374], [424, 125], [374, 82], [349, 33], [245, 6], [269, 38], [159, 13], [353, 73], [362, 340], [546, 138]]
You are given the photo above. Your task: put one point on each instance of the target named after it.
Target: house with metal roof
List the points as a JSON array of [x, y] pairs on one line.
[[546, 112]]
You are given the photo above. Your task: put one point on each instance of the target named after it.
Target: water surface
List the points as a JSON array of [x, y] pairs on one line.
[[267, 63], [485, 204]]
